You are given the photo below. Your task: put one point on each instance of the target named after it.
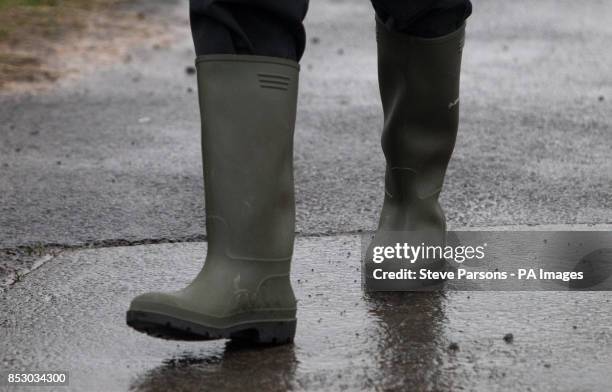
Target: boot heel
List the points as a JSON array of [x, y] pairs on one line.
[[273, 332]]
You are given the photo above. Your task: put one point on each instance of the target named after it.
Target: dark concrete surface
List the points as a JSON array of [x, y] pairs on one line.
[[69, 315], [113, 158], [116, 154]]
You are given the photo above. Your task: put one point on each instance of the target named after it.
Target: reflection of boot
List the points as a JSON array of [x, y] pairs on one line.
[[238, 365], [248, 106], [419, 87], [409, 330]]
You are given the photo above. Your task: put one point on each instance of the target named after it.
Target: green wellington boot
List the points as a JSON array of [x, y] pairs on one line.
[[419, 86], [248, 106]]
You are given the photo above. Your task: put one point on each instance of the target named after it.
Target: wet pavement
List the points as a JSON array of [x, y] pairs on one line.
[[123, 141], [69, 315], [110, 159]]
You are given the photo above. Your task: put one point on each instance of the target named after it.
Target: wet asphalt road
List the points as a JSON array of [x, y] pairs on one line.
[[69, 315], [534, 148], [116, 155]]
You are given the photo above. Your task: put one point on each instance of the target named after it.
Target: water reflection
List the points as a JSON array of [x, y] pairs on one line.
[[346, 341], [239, 367], [411, 346]]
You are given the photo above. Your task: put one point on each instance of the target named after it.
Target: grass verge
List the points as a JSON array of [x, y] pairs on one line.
[[42, 40]]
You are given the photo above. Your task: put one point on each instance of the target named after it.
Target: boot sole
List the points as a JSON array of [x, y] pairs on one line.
[[170, 328]]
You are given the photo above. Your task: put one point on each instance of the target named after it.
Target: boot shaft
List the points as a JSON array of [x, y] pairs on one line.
[[248, 108], [419, 88]]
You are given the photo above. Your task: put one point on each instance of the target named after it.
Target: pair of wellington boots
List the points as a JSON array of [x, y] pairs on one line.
[[248, 107]]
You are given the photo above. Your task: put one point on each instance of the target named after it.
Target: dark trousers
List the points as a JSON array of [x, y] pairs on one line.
[[274, 27]]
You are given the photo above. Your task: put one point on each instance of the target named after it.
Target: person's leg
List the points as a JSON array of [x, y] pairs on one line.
[[247, 85], [422, 18], [256, 27], [419, 62]]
